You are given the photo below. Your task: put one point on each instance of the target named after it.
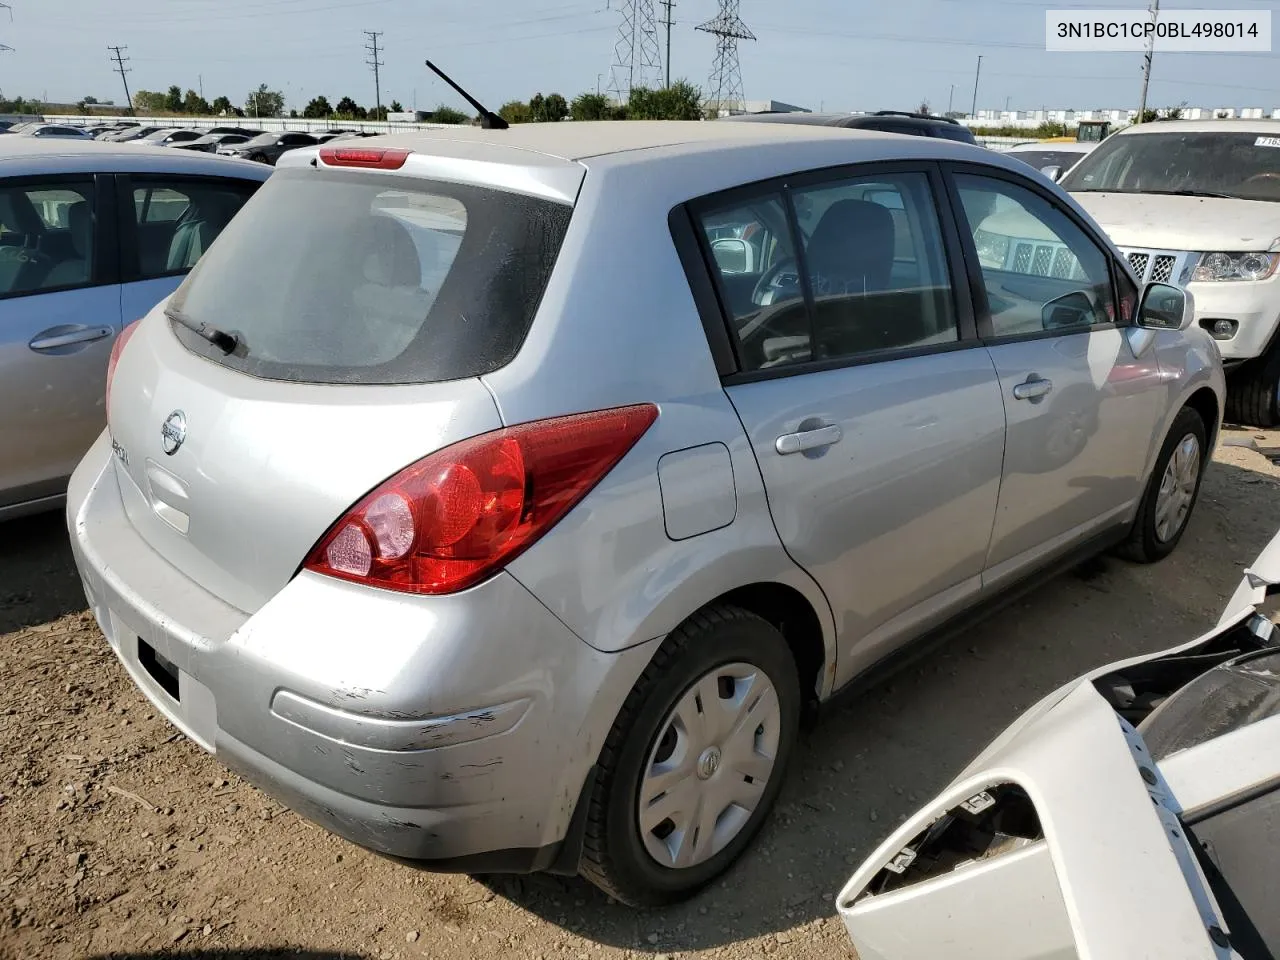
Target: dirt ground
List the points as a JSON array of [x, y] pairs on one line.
[[118, 837]]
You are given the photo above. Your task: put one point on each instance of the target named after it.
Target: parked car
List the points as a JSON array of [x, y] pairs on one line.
[[210, 142], [131, 133], [167, 138], [330, 135], [246, 132], [1051, 159], [1198, 203], [268, 147], [886, 121], [77, 263], [1130, 813], [482, 552], [55, 130]]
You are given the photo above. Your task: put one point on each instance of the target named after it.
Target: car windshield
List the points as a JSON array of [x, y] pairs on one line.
[[1242, 165], [342, 278]]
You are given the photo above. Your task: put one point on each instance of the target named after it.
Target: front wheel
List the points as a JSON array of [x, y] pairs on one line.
[[1171, 492], [695, 759]]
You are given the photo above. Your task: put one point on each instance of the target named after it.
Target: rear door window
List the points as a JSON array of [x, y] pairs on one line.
[[364, 278], [47, 237], [176, 219]]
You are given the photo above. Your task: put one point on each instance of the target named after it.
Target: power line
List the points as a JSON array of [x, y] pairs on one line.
[[120, 66], [635, 54], [666, 22], [375, 63]]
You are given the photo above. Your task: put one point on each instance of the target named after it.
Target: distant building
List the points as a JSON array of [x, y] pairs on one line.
[[754, 106], [409, 116]]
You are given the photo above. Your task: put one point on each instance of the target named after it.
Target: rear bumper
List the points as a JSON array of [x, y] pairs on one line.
[[428, 728]]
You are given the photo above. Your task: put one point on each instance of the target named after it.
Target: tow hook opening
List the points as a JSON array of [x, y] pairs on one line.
[[992, 822]]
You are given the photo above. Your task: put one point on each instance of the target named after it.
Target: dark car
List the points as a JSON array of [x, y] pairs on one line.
[[210, 142], [269, 147], [886, 121], [246, 132], [130, 133]]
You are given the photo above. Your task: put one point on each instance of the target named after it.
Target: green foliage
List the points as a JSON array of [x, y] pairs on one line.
[[376, 113], [148, 101], [444, 114], [223, 105], [173, 99], [89, 100], [549, 109], [1042, 132], [20, 105], [395, 107], [195, 104], [264, 103], [591, 106], [515, 111], [317, 109], [680, 101], [348, 109]]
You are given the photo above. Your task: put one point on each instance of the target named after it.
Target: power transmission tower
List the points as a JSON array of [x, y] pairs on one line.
[[1146, 66], [726, 74], [122, 70], [375, 63], [666, 22], [636, 62]]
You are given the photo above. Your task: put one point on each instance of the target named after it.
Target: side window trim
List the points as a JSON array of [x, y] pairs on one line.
[[706, 293], [977, 285]]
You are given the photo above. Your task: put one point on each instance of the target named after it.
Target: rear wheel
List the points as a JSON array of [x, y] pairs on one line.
[[1171, 492], [695, 759], [1253, 391]]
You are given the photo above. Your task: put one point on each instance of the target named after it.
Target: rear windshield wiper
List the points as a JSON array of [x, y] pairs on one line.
[[226, 342], [1190, 193]]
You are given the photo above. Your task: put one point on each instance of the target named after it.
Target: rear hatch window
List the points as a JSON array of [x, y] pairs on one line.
[[364, 278]]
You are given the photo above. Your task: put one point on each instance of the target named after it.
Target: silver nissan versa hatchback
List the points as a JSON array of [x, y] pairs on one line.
[[499, 499]]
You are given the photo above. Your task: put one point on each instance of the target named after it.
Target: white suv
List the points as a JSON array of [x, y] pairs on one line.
[[1197, 203]]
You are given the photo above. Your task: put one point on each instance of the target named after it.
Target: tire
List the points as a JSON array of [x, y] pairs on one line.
[[1148, 542], [618, 854], [1253, 391], [259, 158]]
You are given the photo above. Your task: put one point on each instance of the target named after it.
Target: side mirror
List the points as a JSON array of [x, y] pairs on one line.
[[1166, 307], [1073, 309], [1053, 172], [732, 255]]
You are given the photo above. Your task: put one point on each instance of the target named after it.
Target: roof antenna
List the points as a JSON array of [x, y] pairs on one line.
[[488, 119]]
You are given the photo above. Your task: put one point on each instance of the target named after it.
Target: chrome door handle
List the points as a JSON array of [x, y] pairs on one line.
[[52, 341], [1033, 388], [808, 439]]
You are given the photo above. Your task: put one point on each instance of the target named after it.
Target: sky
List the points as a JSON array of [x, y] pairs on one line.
[[820, 54]]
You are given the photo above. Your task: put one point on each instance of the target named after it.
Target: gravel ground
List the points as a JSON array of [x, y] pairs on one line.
[[118, 837]]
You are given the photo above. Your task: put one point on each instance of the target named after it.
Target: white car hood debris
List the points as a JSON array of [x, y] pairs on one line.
[[1097, 863]]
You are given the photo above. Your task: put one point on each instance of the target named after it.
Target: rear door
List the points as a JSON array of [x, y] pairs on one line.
[[167, 222], [1081, 408], [873, 411], [59, 315]]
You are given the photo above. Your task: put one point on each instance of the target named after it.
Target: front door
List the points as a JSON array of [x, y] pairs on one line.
[[1081, 408], [59, 316], [874, 415]]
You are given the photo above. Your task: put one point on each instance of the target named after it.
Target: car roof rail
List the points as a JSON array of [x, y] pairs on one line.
[[915, 116]]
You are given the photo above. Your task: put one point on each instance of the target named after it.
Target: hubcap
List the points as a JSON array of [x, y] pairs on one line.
[[707, 770], [1177, 488]]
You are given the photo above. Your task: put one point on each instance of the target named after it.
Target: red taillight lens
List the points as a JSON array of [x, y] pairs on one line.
[[380, 158], [455, 517], [117, 348]]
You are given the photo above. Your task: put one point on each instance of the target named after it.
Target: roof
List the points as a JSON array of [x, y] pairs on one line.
[[20, 155], [1269, 127], [573, 140]]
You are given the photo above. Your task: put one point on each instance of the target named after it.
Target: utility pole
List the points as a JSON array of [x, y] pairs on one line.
[[666, 22], [973, 111], [122, 70], [951, 99], [200, 83], [1146, 68], [375, 63]]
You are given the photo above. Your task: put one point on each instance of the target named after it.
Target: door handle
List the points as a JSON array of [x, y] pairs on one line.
[[49, 340], [808, 439], [1033, 388]]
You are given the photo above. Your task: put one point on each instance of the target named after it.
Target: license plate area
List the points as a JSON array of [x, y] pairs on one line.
[[162, 671]]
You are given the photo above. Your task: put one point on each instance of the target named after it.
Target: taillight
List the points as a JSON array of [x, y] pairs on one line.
[[379, 158], [455, 517], [117, 348]]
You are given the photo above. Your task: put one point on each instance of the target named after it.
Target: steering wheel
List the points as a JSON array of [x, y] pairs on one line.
[[768, 281]]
